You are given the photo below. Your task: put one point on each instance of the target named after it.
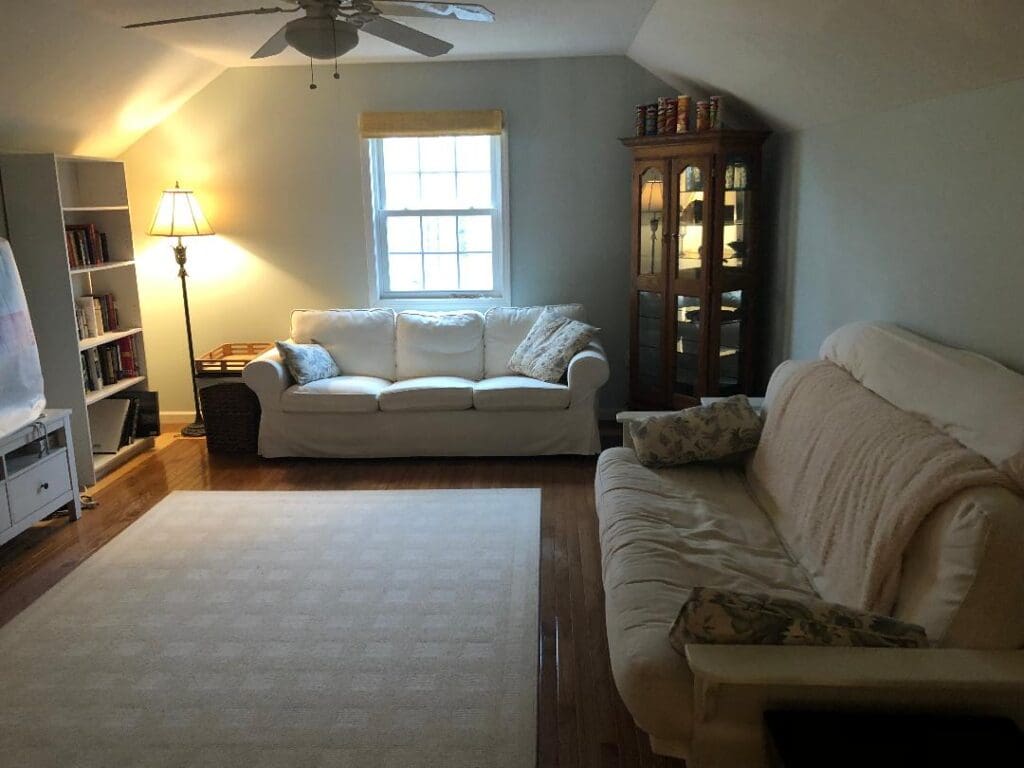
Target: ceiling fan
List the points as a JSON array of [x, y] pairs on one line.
[[330, 28]]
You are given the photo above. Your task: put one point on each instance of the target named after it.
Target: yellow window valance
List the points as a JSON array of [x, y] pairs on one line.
[[474, 122]]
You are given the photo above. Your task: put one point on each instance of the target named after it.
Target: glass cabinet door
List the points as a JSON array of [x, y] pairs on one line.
[[650, 310], [686, 376], [738, 209], [690, 223], [652, 221], [731, 346]]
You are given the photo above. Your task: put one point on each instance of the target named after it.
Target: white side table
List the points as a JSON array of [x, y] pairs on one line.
[[37, 473]]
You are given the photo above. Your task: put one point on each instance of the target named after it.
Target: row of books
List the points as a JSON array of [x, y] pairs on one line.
[[86, 245], [109, 363], [120, 419], [96, 315]]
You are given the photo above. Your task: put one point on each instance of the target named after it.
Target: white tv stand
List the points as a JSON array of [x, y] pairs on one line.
[[37, 473]]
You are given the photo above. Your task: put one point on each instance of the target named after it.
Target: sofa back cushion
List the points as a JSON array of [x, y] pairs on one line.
[[506, 327], [361, 341], [969, 397], [440, 344]]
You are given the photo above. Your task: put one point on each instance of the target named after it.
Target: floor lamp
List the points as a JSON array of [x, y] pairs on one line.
[[179, 215]]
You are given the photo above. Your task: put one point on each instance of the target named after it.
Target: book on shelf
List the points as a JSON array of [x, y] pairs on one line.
[[144, 413], [107, 421], [109, 363], [96, 315], [86, 245]]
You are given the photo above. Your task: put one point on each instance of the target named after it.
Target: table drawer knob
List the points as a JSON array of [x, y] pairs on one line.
[[44, 487]]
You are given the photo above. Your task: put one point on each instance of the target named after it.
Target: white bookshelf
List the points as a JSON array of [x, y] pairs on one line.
[[43, 193]]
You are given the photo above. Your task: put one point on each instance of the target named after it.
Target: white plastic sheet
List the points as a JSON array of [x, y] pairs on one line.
[[21, 379]]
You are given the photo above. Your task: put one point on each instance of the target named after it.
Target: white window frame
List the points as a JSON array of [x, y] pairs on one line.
[[376, 239]]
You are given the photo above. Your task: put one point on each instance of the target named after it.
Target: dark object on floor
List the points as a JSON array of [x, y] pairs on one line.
[[879, 740], [232, 415]]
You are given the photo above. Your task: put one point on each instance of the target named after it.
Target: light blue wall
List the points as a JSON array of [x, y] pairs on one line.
[[914, 216], [280, 165]]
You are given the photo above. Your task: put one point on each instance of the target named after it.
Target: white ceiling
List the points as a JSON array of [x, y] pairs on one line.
[[800, 63], [523, 29]]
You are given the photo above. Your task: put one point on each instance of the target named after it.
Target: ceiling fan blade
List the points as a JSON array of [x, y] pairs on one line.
[[414, 8], [252, 12], [407, 37], [273, 46]]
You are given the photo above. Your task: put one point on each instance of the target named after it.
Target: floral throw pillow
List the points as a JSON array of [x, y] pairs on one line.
[[549, 346], [307, 362], [720, 616], [703, 433]]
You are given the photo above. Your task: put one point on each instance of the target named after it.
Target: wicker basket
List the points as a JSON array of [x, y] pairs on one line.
[[232, 415]]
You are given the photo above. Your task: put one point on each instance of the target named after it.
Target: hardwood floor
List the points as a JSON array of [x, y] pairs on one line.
[[582, 721]]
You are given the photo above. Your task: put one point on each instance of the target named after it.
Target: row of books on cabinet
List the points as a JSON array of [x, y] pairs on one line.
[[107, 364], [96, 315], [87, 246], [123, 418]]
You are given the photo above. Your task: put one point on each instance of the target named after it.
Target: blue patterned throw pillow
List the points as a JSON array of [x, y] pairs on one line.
[[307, 362], [721, 616]]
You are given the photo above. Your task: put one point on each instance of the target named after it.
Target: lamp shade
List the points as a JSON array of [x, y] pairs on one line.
[[179, 215], [652, 196]]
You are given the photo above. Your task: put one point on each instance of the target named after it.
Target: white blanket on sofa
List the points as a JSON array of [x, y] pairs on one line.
[[850, 478]]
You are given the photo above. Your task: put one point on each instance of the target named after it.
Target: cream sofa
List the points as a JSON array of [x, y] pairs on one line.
[[665, 531], [425, 384]]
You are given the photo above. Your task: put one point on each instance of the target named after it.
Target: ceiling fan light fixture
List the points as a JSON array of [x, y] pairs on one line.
[[321, 37]]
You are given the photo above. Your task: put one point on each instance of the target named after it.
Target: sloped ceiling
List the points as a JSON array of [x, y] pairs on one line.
[[524, 29], [799, 63], [72, 82]]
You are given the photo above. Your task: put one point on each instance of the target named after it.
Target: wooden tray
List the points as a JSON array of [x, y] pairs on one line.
[[229, 359]]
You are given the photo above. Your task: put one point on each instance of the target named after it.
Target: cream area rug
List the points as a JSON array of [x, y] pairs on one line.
[[351, 628]]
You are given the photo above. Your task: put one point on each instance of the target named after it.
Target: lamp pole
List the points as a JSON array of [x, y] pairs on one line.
[[197, 428]]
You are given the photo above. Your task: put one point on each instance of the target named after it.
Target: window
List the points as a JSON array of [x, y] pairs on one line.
[[438, 225]]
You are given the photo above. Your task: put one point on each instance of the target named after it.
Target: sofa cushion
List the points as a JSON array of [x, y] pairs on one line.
[[440, 344], [724, 617], [429, 393], [662, 533], [307, 362], [550, 345], [519, 393], [704, 433], [971, 398], [342, 394], [361, 341], [506, 327]]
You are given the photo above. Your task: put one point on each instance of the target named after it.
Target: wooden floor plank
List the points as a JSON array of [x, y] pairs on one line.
[[581, 719]]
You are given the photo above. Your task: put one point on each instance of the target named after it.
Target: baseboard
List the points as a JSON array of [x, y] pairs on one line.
[[176, 417]]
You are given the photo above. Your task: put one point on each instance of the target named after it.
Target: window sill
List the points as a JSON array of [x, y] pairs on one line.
[[442, 305]]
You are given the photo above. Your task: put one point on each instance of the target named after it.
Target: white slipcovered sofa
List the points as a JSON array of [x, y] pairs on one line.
[[664, 531], [425, 384]]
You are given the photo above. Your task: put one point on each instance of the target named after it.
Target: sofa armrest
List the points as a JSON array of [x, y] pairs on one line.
[[734, 685], [268, 377], [588, 371]]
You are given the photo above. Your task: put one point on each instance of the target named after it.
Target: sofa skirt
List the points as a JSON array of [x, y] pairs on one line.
[[469, 432]]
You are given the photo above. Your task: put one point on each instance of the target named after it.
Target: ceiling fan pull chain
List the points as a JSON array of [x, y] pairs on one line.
[[312, 82]]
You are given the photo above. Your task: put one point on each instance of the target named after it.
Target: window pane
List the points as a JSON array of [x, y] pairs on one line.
[[405, 271], [441, 271], [404, 234], [403, 190], [475, 190], [401, 155], [473, 153], [475, 272], [437, 153], [474, 233], [438, 190], [439, 234]]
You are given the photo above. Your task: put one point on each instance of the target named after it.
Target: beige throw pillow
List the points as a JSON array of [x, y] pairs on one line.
[[721, 616], [549, 346], [703, 433]]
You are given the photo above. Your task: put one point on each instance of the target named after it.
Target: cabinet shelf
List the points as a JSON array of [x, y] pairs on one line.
[[106, 338], [102, 267], [105, 463], [93, 208], [104, 392]]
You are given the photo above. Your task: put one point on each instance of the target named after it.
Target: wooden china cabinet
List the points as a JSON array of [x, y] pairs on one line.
[[695, 266]]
